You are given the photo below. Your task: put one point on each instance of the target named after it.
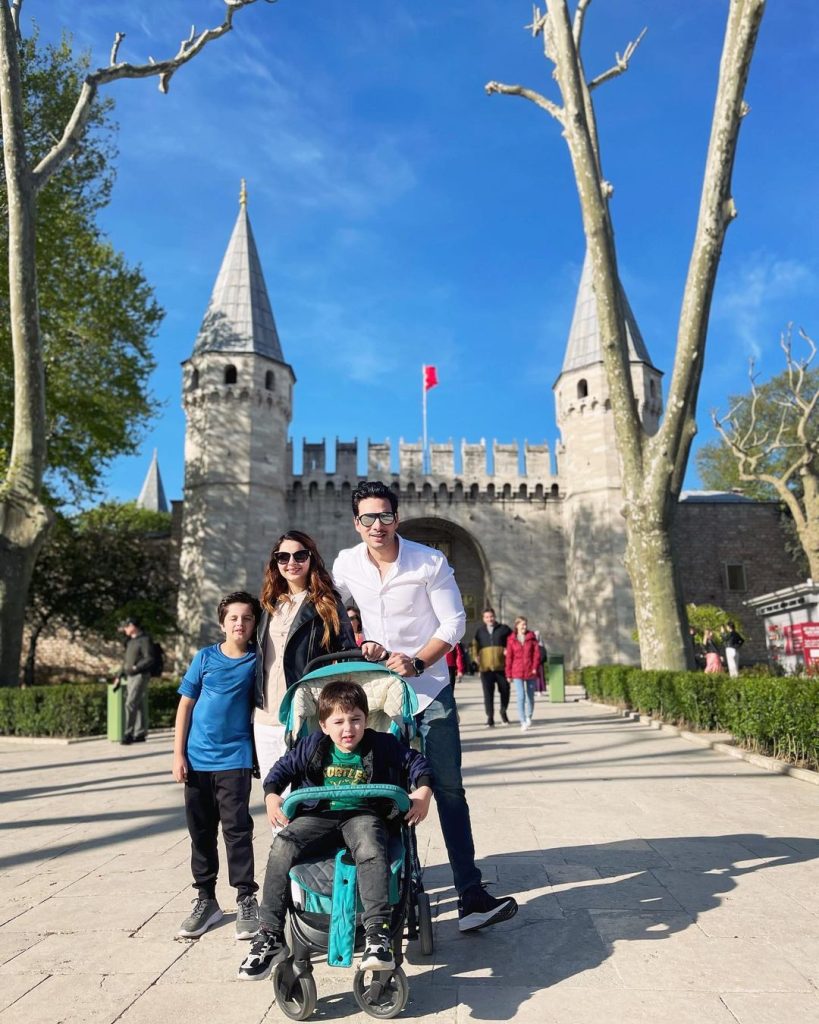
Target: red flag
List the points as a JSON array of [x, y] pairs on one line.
[[430, 377]]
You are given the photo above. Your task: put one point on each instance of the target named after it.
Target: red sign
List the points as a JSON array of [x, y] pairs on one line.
[[803, 638]]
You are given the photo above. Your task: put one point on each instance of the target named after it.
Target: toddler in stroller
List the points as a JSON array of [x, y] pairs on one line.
[[349, 788]]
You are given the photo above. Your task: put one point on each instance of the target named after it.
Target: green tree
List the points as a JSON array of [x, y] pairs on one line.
[[97, 567], [97, 313], [24, 516], [769, 448]]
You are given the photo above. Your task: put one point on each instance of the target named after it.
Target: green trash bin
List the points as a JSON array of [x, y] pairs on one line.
[[116, 712], [557, 679]]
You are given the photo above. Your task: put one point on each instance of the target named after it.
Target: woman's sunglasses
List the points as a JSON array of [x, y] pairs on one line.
[[283, 557], [368, 518]]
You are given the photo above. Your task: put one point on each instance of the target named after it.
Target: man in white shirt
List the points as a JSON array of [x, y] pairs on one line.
[[411, 609]]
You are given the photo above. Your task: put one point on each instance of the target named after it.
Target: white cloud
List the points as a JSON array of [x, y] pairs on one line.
[[754, 291]]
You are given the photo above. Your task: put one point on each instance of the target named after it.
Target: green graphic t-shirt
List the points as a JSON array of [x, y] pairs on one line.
[[342, 769]]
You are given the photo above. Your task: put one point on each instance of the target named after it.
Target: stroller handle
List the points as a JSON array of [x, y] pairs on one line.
[[372, 791], [329, 659]]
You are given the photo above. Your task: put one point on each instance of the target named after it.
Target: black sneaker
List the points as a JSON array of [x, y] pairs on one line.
[[378, 955], [490, 723], [477, 909], [504, 718], [267, 949]]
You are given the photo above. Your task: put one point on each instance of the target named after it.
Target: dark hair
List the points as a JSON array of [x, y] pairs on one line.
[[374, 489], [355, 612], [730, 625], [239, 597], [488, 610], [341, 694], [319, 585]]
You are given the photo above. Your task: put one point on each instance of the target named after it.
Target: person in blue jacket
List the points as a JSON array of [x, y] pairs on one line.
[[343, 753]]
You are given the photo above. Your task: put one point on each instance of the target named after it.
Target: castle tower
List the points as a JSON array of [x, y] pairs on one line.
[[152, 495], [601, 606], [237, 394]]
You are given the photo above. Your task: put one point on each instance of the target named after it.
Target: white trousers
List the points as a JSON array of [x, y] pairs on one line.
[[732, 657], [269, 748]]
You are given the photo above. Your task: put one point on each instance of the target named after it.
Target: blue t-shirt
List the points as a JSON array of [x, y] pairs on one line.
[[222, 687]]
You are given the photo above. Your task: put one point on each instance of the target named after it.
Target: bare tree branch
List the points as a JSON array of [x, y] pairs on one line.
[[579, 22], [620, 63], [164, 69], [115, 48], [16, 9], [529, 94]]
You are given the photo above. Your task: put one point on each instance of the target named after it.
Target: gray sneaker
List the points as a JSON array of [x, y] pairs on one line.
[[247, 917], [204, 914]]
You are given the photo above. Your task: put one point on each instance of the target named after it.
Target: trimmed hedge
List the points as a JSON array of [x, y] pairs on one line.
[[775, 715], [74, 709]]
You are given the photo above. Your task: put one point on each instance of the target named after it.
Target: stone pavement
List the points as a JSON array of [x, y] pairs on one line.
[[657, 881]]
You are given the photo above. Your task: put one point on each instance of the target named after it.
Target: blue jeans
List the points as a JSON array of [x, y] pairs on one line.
[[525, 689], [438, 726]]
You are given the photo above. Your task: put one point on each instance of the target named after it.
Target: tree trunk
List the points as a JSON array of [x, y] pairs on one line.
[[31, 655], [658, 603], [24, 520], [809, 531]]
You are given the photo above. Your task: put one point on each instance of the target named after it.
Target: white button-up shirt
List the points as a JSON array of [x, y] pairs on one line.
[[417, 599]]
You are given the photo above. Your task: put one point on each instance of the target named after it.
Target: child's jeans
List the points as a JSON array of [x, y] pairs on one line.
[[525, 689], [365, 836]]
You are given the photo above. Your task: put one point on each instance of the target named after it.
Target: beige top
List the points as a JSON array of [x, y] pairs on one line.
[[273, 657]]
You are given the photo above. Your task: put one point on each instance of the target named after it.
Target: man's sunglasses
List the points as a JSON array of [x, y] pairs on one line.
[[368, 518], [283, 557]]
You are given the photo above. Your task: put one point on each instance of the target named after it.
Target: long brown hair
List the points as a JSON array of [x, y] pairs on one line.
[[319, 585]]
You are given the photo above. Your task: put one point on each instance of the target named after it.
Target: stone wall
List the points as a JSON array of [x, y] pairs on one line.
[[709, 535]]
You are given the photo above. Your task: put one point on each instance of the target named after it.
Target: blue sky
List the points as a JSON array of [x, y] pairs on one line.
[[403, 217]]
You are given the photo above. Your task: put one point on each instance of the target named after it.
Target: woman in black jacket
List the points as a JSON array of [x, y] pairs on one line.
[[302, 617]]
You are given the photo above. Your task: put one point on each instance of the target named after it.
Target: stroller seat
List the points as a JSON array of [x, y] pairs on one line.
[[314, 878]]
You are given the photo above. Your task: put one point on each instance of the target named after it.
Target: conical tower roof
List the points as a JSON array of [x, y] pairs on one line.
[[152, 495], [239, 317], [584, 347]]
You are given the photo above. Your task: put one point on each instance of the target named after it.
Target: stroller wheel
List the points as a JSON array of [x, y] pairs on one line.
[[385, 996], [295, 993], [425, 940]]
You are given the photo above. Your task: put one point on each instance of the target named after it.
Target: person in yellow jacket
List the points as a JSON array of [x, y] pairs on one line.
[[489, 651]]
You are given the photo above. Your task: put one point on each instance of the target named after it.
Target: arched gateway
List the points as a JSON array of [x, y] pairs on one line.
[[463, 553]]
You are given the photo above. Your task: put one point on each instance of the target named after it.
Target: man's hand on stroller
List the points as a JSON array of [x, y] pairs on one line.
[[273, 802], [373, 651], [419, 805]]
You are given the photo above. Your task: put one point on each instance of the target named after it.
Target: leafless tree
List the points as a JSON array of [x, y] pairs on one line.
[[652, 467], [24, 518], [782, 451]]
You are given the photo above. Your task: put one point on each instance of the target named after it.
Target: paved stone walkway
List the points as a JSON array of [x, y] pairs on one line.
[[658, 881]]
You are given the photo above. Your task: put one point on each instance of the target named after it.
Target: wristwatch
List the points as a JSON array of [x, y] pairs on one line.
[[418, 665]]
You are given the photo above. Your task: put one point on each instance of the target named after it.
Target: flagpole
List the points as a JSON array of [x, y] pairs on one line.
[[424, 416]]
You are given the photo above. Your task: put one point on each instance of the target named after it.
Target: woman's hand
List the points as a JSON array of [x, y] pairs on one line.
[[373, 651]]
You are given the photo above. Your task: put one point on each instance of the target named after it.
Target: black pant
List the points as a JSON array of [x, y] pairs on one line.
[[211, 798], [488, 681], [365, 836]]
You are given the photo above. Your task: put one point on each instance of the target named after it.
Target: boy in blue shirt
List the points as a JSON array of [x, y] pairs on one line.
[[213, 756], [344, 753]]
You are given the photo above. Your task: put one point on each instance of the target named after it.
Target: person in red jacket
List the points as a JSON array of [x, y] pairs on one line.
[[522, 664]]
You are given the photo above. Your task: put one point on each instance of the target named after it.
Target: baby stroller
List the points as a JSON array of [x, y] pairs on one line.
[[323, 907]]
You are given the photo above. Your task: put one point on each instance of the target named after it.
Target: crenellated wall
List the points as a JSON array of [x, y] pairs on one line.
[[520, 475]]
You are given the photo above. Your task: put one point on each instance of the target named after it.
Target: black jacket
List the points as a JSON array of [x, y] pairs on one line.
[[139, 655], [304, 642], [384, 758]]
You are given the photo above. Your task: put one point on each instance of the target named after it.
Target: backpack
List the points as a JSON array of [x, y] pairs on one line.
[[158, 663]]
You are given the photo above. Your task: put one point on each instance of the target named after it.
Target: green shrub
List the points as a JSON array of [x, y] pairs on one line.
[[74, 709], [776, 715]]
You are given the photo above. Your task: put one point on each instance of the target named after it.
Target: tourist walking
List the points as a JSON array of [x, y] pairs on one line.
[[489, 650], [137, 663], [713, 657], [522, 664], [732, 641]]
